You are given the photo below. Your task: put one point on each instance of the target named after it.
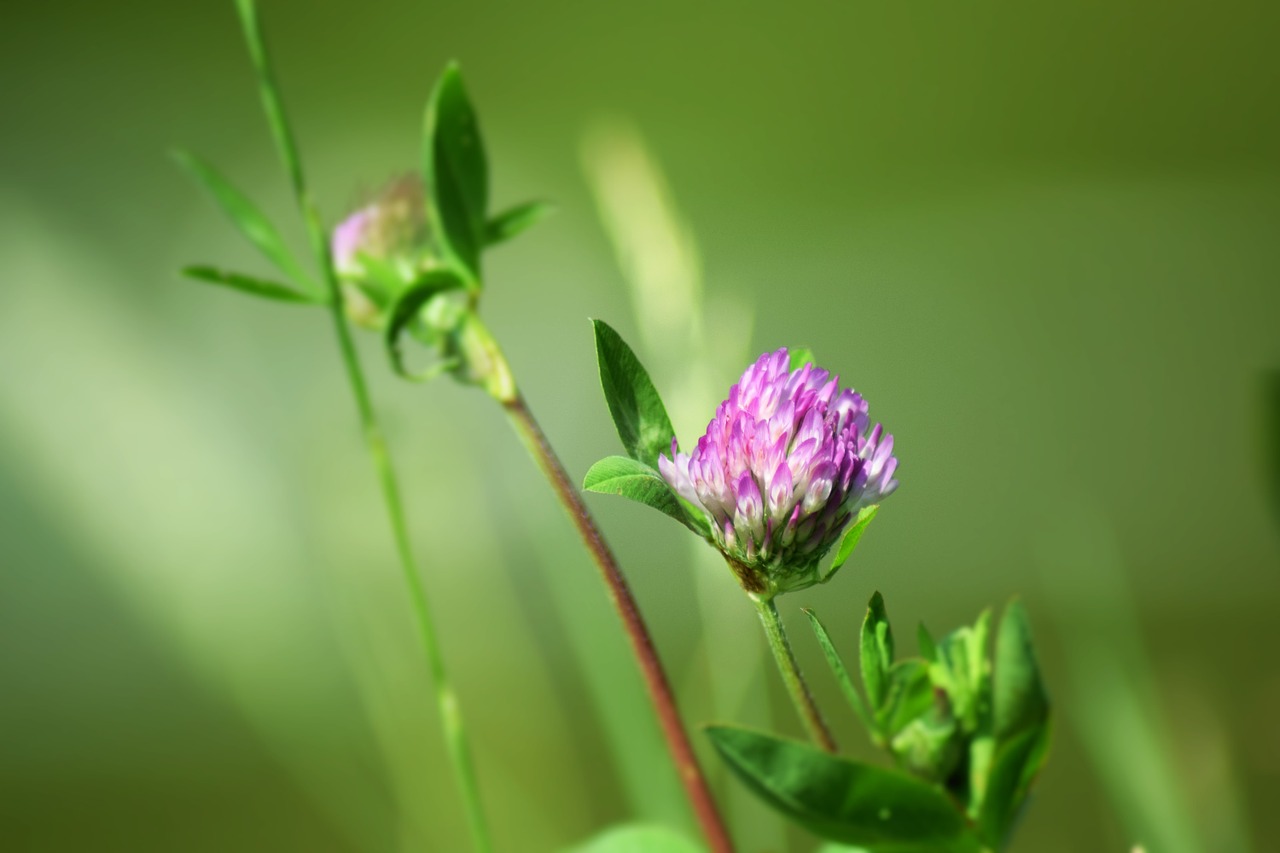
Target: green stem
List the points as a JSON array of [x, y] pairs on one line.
[[446, 699], [806, 707]]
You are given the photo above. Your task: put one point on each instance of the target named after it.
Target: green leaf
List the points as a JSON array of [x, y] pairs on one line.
[[251, 285], [511, 222], [877, 652], [909, 695], [637, 410], [1013, 770], [928, 648], [800, 356], [457, 174], [619, 475], [406, 308], [882, 810], [852, 537], [841, 673], [1020, 700], [638, 838], [253, 224]]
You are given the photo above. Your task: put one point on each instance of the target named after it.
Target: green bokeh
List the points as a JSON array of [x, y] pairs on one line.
[[1040, 238]]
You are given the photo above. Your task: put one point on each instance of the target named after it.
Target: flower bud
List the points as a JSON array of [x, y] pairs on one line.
[[787, 461], [382, 248]]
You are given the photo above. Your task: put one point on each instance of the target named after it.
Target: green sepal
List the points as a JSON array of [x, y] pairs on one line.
[[840, 672], [246, 216], [405, 309], [516, 220], [630, 478], [637, 838], [877, 652], [800, 356], [456, 173], [1014, 768], [637, 410], [851, 538], [251, 285], [884, 811]]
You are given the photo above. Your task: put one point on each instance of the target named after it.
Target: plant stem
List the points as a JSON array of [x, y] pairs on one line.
[[791, 675], [655, 678], [446, 700]]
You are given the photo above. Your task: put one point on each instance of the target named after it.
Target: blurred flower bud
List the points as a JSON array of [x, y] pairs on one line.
[[382, 248], [785, 464]]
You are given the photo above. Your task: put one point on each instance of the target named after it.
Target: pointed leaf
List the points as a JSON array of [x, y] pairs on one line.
[[406, 307], [619, 475], [841, 673], [511, 222], [1020, 700], [1013, 770], [877, 652], [852, 537], [638, 838], [456, 171], [908, 695], [251, 285], [883, 810], [253, 224], [637, 410], [928, 648]]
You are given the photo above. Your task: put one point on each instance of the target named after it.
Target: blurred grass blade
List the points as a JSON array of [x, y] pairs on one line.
[[637, 838], [838, 669], [515, 221], [253, 224], [249, 284]]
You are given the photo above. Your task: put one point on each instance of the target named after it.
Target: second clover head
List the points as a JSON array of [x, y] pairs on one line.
[[788, 461]]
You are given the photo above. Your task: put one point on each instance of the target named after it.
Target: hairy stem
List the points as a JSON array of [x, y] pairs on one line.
[[655, 677], [791, 675], [446, 700]]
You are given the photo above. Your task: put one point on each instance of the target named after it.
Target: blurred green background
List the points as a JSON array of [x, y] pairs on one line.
[[1042, 239]]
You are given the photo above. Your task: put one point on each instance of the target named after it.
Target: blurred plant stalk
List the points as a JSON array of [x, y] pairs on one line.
[[451, 720]]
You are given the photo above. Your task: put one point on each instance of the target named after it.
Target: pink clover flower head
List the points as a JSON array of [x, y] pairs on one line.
[[788, 460]]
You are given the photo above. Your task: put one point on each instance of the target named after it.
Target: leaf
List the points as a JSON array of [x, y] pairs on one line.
[[877, 652], [800, 356], [637, 410], [249, 284], [456, 172], [852, 537], [620, 475], [1013, 770], [638, 838], [928, 648], [1020, 700], [511, 222], [909, 694], [841, 673], [253, 224], [840, 800], [406, 308]]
